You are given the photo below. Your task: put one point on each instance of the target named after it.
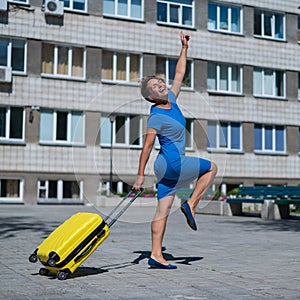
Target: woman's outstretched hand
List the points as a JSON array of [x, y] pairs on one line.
[[184, 39], [138, 183]]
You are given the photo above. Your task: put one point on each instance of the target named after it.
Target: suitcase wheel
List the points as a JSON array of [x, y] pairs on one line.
[[43, 271], [33, 258], [51, 262], [62, 275]]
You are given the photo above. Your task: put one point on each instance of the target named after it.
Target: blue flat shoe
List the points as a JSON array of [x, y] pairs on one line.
[[157, 265], [185, 208]]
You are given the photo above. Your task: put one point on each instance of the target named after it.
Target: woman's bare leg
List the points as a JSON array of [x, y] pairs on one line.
[[158, 227], [202, 185]]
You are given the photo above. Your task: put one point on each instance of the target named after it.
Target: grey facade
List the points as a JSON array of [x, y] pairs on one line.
[[38, 171]]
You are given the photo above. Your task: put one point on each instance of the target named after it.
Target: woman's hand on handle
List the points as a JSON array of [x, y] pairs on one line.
[[138, 183]]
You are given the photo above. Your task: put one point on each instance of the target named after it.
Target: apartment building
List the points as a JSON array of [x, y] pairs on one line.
[[72, 119]]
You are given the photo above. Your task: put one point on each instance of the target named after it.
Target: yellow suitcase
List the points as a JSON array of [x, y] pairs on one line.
[[71, 243]]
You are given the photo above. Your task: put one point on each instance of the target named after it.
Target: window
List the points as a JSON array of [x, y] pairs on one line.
[[61, 127], [269, 24], [298, 29], [298, 86], [120, 67], [127, 131], [63, 61], [165, 68], [60, 191], [176, 12], [299, 140], [11, 189], [269, 138], [12, 125], [13, 54], [19, 1], [225, 136], [268, 83], [189, 133], [132, 9], [79, 5], [224, 78], [224, 18]]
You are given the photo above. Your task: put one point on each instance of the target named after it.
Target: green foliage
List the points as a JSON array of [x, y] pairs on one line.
[[233, 192]]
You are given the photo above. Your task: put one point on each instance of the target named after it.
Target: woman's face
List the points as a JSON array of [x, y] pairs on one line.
[[157, 89]]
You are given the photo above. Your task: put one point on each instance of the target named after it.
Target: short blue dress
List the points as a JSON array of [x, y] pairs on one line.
[[172, 168]]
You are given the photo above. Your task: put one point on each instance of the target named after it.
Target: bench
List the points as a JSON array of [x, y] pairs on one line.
[[184, 193], [275, 200]]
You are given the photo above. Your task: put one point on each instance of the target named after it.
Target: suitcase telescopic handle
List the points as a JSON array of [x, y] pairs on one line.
[[120, 213]]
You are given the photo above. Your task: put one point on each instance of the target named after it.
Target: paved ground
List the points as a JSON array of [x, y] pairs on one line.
[[227, 258]]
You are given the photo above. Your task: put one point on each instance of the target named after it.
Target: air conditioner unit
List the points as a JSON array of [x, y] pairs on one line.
[[5, 74], [3, 5], [54, 8]]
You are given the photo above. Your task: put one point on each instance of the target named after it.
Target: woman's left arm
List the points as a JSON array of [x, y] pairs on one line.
[[181, 64]]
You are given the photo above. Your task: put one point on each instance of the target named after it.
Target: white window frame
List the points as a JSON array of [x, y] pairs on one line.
[[7, 139], [218, 20], [273, 150], [299, 140], [9, 55], [167, 75], [181, 5], [273, 37], [115, 70], [227, 149], [262, 71], [69, 133], [19, 199], [116, 15], [190, 147], [127, 132], [76, 10], [55, 63], [19, 1], [299, 86], [298, 29], [229, 76], [59, 198]]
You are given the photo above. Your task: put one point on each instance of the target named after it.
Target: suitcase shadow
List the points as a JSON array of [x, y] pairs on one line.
[[143, 255], [87, 271]]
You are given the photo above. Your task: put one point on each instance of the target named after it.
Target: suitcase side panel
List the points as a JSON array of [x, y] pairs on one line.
[[69, 235], [72, 264]]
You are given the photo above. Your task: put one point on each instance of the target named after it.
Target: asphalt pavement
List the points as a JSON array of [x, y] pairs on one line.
[[227, 258]]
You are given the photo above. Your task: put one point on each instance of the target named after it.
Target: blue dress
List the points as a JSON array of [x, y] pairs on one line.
[[172, 168]]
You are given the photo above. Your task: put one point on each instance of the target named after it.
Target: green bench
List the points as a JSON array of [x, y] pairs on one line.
[[184, 193], [282, 196]]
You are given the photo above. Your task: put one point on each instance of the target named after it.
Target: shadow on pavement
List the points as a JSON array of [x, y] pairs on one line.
[[11, 226], [87, 271], [251, 224], [80, 272], [169, 257]]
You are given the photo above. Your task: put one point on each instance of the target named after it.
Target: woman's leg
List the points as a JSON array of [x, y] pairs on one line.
[[158, 227], [202, 185]]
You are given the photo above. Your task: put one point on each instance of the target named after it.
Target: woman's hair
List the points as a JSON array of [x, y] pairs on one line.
[[144, 89]]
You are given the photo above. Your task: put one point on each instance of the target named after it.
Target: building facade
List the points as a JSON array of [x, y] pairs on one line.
[[71, 115]]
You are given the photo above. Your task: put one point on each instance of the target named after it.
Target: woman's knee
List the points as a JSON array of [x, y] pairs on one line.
[[164, 205], [214, 168]]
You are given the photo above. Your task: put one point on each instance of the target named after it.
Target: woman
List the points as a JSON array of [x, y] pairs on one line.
[[172, 168]]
